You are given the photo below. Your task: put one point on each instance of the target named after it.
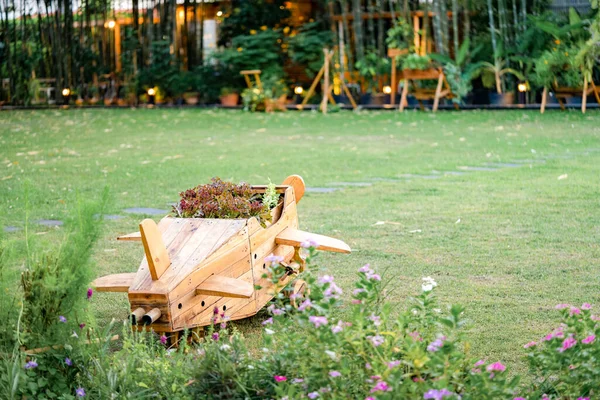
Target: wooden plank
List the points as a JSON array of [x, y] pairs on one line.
[[418, 74], [114, 282], [131, 237], [250, 71], [297, 183], [156, 252], [295, 237], [396, 52], [217, 285]]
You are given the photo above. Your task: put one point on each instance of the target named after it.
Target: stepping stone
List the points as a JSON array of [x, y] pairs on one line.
[[413, 176], [529, 161], [49, 222], [146, 211], [454, 173], [12, 229], [506, 165], [113, 217], [357, 184], [320, 190], [467, 168]]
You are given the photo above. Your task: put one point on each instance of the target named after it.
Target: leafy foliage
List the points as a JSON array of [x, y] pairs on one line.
[[370, 67], [306, 46], [400, 35]]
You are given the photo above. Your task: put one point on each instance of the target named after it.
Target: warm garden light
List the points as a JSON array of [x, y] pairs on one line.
[[219, 13], [522, 87], [151, 92], [66, 92], [111, 24], [298, 90], [387, 89]]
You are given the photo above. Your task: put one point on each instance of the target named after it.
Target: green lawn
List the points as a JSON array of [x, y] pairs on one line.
[[509, 244]]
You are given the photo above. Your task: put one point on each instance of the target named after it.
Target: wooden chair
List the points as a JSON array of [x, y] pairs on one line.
[[393, 53], [563, 93], [256, 74], [441, 91]]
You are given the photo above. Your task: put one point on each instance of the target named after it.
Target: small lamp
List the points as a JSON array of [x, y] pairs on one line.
[[151, 95], [522, 87], [111, 24], [298, 90], [387, 89], [66, 93]]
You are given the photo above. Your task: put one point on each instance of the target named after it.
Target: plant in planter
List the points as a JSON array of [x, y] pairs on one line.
[[370, 67], [271, 98], [229, 97], [415, 61], [493, 76], [400, 35]]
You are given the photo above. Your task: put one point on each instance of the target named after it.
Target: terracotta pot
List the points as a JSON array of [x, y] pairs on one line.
[[108, 102], [191, 98], [230, 100]]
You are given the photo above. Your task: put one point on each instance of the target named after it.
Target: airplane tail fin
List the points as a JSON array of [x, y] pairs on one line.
[[154, 247]]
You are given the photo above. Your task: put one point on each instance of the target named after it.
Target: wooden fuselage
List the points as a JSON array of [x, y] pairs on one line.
[[201, 248]]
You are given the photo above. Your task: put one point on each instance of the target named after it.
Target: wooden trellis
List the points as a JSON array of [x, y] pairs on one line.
[[441, 91], [563, 93]]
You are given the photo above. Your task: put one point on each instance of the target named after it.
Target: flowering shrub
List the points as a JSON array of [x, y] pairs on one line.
[[221, 199]]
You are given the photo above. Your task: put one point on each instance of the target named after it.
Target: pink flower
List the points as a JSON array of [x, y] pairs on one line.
[[332, 291], [356, 292], [417, 379], [163, 339], [268, 321], [588, 340], [435, 394], [393, 363], [368, 366], [583, 398], [376, 340], [519, 398], [365, 268], [309, 243], [373, 276], [530, 344], [562, 306], [337, 328], [567, 344], [381, 386], [586, 306], [313, 395], [280, 378], [370, 398], [297, 380], [497, 366], [436, 344], [305, 304], [356, 301], [595, 318], [81, 326], [317, 321], [90, 292], [574, 311], [334, 374], [215, 336], [376, 319], [480, 362]]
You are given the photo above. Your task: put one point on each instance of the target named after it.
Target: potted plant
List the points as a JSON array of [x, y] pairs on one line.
[[557, 69], [229, 97], [493, 76], [370, 67]]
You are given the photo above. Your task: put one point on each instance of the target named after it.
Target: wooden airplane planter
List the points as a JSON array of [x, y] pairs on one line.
[[194, 265]]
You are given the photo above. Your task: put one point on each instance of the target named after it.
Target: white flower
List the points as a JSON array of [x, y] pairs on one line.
[[250, 366], [331, 354], [265, 350], [428, 284], [225, 347], [269, 332]]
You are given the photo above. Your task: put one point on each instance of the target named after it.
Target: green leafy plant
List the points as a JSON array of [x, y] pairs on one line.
[[400, 35], [306, 46], [493, 74], [370, 67], [558, 66], [416, 61]]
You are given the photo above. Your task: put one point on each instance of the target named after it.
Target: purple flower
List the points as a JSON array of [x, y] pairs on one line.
[[313, 395], [381, 386], [393, 363], [377, 340], [435, 394], [567, 344], [81, 326], [268, 321], [305, 304], [375, 319], [337, 328], [273, 259], [80, 392], [317, 321], [62, 319], [334, 374], [163, 339], [332, 291], [278, 311], [583, 398], [356, 292], [519, 398], [68, 361], [215, 336], [326, 279], [480, 362], [586, 306], [373, 276], [31, 365], [90, 292], [223, 325], [280, 378], [436, 344], [309, 243], [365, 268], [530, 344], [588, 340], [297, 380], [370, 398], [496, 367], [562, 306]]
